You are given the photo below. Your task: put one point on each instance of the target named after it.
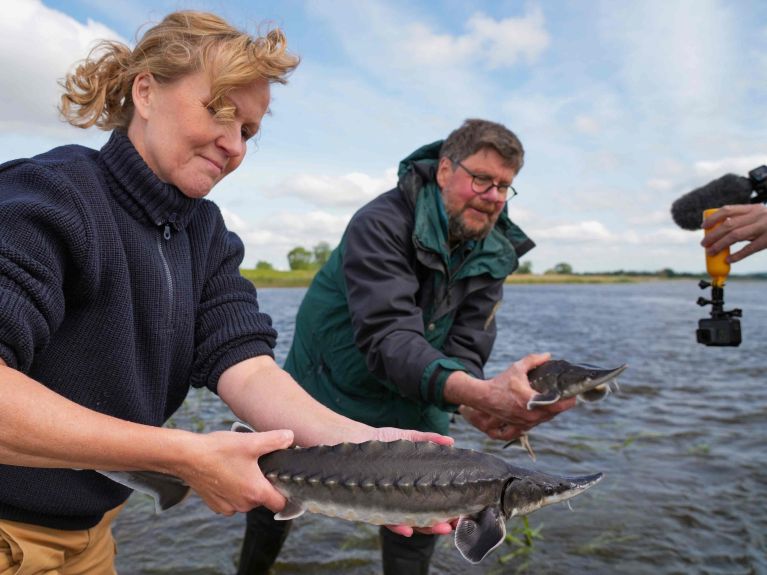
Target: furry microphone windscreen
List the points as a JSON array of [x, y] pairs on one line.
[[687, 211]]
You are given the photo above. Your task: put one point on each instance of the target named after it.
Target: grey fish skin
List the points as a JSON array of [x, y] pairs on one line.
[[399, 483], [416, 484], [559, 379]]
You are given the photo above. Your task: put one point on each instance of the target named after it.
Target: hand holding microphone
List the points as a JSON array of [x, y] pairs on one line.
[[741, 216], [729, 210]]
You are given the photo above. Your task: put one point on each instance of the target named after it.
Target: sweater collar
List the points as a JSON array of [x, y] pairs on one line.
[[139, 190]]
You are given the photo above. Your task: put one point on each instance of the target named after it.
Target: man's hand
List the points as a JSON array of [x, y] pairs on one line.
[[492, 426], [738, 223], [510, 391], [498, 406]]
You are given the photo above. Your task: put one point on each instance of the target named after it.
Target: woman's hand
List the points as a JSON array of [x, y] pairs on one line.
[[223, 470]]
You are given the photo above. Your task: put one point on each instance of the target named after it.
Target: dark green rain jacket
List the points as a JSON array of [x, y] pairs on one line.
[[388, 318]]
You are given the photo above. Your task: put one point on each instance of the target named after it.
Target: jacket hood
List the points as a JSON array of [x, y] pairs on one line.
[[426, 155], [417, 175]]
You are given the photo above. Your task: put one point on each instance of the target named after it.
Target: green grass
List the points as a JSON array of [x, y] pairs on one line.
[[575, 279], [277, 278], [302, 278]]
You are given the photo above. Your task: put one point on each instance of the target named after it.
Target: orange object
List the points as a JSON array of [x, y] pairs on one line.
[[717, 265]]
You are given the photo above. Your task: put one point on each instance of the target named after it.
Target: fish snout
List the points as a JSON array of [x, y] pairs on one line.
[[522, 496]]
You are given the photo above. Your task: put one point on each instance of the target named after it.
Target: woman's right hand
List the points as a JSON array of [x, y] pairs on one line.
[[223, 470]]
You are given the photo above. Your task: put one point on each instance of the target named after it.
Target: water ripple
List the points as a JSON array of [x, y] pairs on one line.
[[681, 445]]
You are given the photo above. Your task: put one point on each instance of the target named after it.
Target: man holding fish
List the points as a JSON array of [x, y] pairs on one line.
[[397, 327]]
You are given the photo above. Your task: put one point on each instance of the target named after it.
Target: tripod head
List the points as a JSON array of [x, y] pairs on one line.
[[723, 327]]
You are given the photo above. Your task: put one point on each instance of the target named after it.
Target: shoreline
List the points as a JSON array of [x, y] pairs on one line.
[[302, 278]]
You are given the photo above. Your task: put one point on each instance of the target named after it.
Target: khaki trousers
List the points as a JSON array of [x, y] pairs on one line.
[[31, 549]]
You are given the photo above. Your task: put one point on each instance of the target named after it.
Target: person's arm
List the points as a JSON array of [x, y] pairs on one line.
[[473, 332], [738, 223], [267, 397], [259, 392], [379, 269], [39, 428]]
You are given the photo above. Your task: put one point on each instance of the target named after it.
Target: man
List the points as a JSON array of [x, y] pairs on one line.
[[396, 328]]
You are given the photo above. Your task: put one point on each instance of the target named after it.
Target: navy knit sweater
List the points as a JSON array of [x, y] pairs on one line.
[[117, 292]]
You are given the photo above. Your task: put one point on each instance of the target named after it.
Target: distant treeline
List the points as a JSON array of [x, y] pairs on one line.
[[669, 273]]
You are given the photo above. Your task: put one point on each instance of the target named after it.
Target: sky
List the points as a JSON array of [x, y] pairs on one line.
[[621, 106]]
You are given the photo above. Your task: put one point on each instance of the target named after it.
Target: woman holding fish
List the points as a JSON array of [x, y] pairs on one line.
[[120, 289]]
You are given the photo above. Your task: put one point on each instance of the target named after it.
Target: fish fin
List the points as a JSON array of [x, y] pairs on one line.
[[166, 490], [477, 535], [544, 399], [597, 393], [292, 510], [242, 427], [524, 440]]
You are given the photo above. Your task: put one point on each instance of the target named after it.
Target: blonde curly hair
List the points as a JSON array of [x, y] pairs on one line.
[[98, 92]]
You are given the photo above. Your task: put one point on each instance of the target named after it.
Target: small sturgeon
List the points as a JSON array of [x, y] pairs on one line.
[[397, 483], [559, 379]]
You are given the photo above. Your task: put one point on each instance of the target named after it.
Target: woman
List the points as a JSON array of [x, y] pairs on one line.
[[119, 288]]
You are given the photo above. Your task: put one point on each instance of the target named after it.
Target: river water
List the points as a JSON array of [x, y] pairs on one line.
[[682, 445]]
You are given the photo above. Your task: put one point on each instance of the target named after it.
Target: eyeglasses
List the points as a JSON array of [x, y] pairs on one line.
[[481, 184]]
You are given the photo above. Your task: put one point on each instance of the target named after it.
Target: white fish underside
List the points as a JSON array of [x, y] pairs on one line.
[[374, 515]]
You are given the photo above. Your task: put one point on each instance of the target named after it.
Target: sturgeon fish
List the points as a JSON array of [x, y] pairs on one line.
[[559, 379], [397, 483]]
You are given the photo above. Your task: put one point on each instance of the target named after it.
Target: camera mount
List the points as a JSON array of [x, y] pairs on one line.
[[723, 327]]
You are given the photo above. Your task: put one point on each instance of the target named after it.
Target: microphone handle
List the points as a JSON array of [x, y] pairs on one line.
[[717, 265]]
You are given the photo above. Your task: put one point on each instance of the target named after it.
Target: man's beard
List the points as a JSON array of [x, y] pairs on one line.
[[459, 232]]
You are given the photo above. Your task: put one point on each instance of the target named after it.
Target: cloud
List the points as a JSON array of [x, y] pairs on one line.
[[487, 42], [587, 231], [660, 184], [271, 238], [38, 46], [400, 39], [406, 53], [347, 191], [586, 125], [738, 165], [679, 61]]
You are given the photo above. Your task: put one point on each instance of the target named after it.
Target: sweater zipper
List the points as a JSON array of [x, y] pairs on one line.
[[166, 236]]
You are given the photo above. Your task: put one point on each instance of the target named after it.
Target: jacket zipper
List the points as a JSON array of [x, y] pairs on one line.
[[166, 236]]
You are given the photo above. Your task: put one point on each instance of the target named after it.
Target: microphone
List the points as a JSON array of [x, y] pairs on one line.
[[687, 211]]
